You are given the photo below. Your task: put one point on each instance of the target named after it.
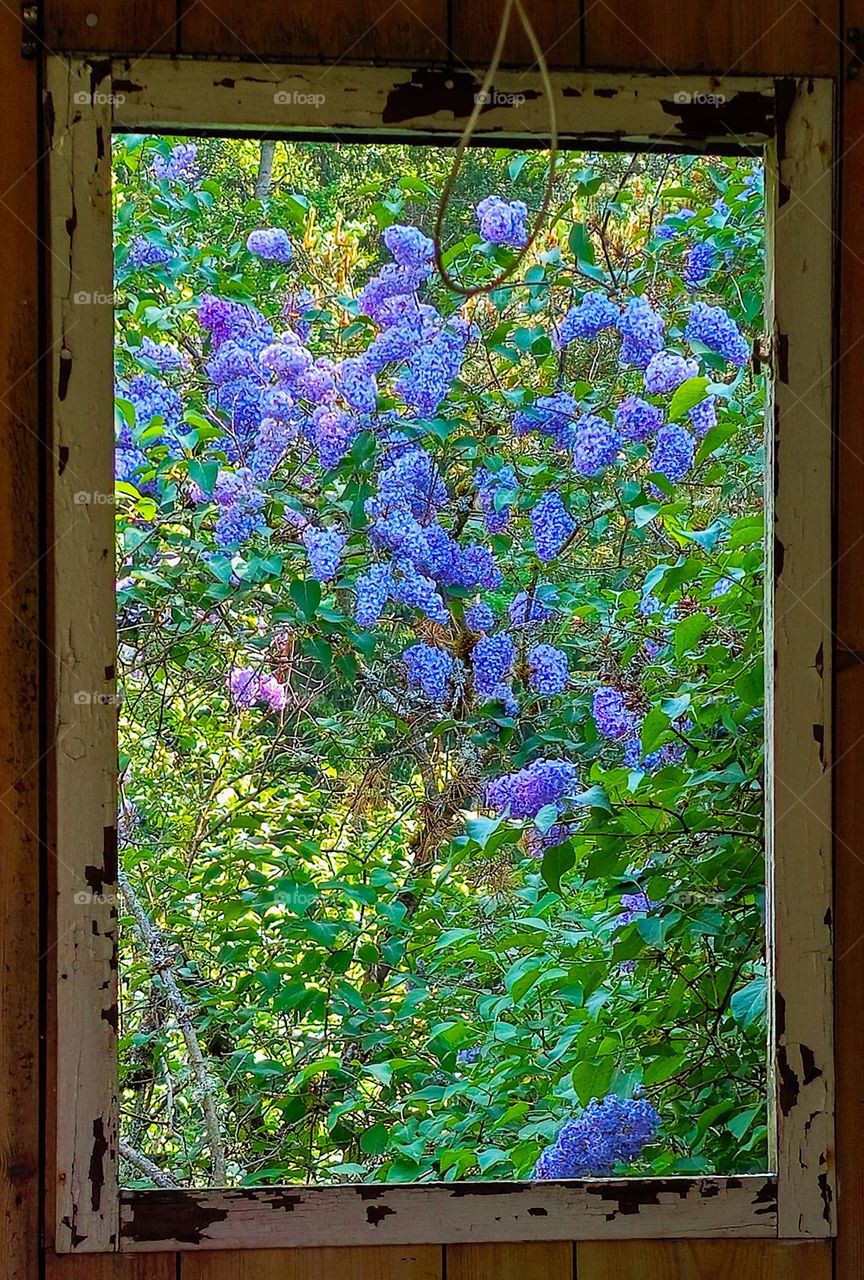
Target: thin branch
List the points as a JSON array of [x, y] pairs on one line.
[[146, 1166], [162, 964]]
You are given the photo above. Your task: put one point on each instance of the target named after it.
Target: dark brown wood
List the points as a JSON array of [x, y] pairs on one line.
[[19, 664], [315, 31], [849, 699], [556, 23], [510, 1261], [737, 36], [705, 1260], [421, 1262], [118, 26]]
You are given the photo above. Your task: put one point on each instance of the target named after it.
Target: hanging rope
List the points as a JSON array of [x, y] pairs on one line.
[[468, 133]]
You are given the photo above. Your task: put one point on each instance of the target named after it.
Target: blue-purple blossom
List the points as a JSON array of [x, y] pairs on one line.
[[552, 525], [635, 418], [492, 659], [271, 244], [595, 445], [641, 327], [163, 354], [146, 253], [667, 370], [240, 504], [333, 432], [524, 793], [429, 669], [180, 165], [714, 328], [528, 611], [554, 415], [699, 265], [419, 592], [593, 314], [703, 416], [426, 379], [501, 222], [612, 716], [494, 488], [674, 450], [374, 588], [608, 1133], [408, 245], [324, 548], [548, 669], [357, 385], [479, 617], [247, 686]]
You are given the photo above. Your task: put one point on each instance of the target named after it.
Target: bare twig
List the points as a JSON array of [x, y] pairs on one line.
[[146, 1166]]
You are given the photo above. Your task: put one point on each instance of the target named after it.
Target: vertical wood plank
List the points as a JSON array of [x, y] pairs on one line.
[[552, 1261], [773, 36], [849, 698], [704, 1260], [110, 1266], [83, 652], [557, 24], [390, 1262], [403, 31], [116, 26], [19, 664]]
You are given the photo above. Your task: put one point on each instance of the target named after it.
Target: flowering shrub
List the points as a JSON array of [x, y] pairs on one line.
[[440, 634]]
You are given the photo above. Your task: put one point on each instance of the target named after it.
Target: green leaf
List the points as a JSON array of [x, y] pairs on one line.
[[306, 594], [556, 861], [748, 1002], [689, 393], [689, 631], [203, 474]]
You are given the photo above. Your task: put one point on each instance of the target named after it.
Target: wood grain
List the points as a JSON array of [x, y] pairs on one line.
[[121, 26], [738, 36], [110, 1266], [510, 1261], [422, 1262], [704, 1260], [312, 31], [19, 665], [556, 23]]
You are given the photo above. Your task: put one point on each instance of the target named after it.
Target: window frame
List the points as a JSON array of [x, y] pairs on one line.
[[792, 121]]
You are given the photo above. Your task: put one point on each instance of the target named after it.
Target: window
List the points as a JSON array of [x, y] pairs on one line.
[[792, 1195]]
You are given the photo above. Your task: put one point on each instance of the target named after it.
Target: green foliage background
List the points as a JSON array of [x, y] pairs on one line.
[[338, 940]]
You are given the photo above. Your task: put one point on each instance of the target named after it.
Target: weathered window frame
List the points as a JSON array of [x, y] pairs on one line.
[[793, 122]]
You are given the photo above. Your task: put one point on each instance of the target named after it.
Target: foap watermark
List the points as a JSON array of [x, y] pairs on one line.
[[86, 698], [298, 98], [84, 498], [84, 99], [88, 298], [497, 98], [684, 98], [87, 898]]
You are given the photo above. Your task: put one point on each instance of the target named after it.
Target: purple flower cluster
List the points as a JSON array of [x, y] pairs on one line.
[[548, 670], [479, 617], [612, 716], [703, 416], [164, 355], [714, 328], [408, 246], [502, 223], [240, 504], [492, 659], [525, 793], [152, 399], [674, 450], [552, 525], [642, 330], [667, 370], [699, 266], [608, 1133], [593, 314], [271, 244], [595, 445], [247, 687], [357, 385], [374, 588], [495, 489], [146, 253], [429, 669], [324, 549], [636, 419], [425, 381], [554, 415], [180, 165]]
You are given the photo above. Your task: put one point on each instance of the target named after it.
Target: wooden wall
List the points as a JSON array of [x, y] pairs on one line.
[[724, 36]]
